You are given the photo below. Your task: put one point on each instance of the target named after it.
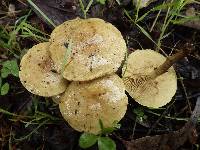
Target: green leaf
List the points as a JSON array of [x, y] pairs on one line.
[[7, 64], [106, 143], [5, 72], [101, 1], [86, 140], [101, 124], [0, 81], [5, 88], [10, 67], [141, 117], [139, 112], [109, 130], [14, 68], [116, 125]]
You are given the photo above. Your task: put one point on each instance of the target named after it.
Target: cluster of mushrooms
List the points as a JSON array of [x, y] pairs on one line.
[[78, 65]]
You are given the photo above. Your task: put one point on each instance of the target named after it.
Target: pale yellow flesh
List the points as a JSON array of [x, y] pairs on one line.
[[152, 93], [98, 48], [36, 72], [83, 104]]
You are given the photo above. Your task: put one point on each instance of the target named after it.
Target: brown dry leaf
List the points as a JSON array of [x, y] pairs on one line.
[[170, 141]]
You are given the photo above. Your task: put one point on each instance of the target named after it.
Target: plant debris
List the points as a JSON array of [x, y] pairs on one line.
[[172, 140]]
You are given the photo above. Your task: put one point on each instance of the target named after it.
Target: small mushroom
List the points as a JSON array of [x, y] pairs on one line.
[[85, 103], [85, 49], [37, 73], [143, 85]]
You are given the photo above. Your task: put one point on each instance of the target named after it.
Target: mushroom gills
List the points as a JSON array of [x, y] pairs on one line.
[[144, 88]]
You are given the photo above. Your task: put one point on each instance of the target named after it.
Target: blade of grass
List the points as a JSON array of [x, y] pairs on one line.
[[68, 51], [42, 14], [12, 114], [89, 5], [32, 132]]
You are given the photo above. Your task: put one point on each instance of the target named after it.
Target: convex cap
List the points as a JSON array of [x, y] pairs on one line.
[[84, 103], [146, 91], [37, 72], [85, 49]]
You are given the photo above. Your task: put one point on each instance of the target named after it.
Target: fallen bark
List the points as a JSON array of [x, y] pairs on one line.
[[170, 141]]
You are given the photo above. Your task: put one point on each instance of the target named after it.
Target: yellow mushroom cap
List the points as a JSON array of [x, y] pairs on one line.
[[84, 103], [37, 75], [85, 49], [154, 92]]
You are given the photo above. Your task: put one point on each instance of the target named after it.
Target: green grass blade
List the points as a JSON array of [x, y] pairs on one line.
[[43, 15], [81, 5], [32, 132], [12, 114], [67, 54], [88, 6], [127, 14], [118, 2], [145, 32]]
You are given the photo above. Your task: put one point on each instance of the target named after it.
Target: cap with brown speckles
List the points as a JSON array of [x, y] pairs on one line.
[[97, 48], [84, 103], [37, 75]]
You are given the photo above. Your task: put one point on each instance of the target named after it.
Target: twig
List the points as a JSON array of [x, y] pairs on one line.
[[157, 121], [32, 132], [186, 95], [171, 60]]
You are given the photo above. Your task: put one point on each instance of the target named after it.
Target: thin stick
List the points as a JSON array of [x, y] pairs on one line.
[[186, 95], [170, 61], [158, 120]]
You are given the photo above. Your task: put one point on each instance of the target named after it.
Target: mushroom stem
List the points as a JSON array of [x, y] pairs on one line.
[[170, 61]]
